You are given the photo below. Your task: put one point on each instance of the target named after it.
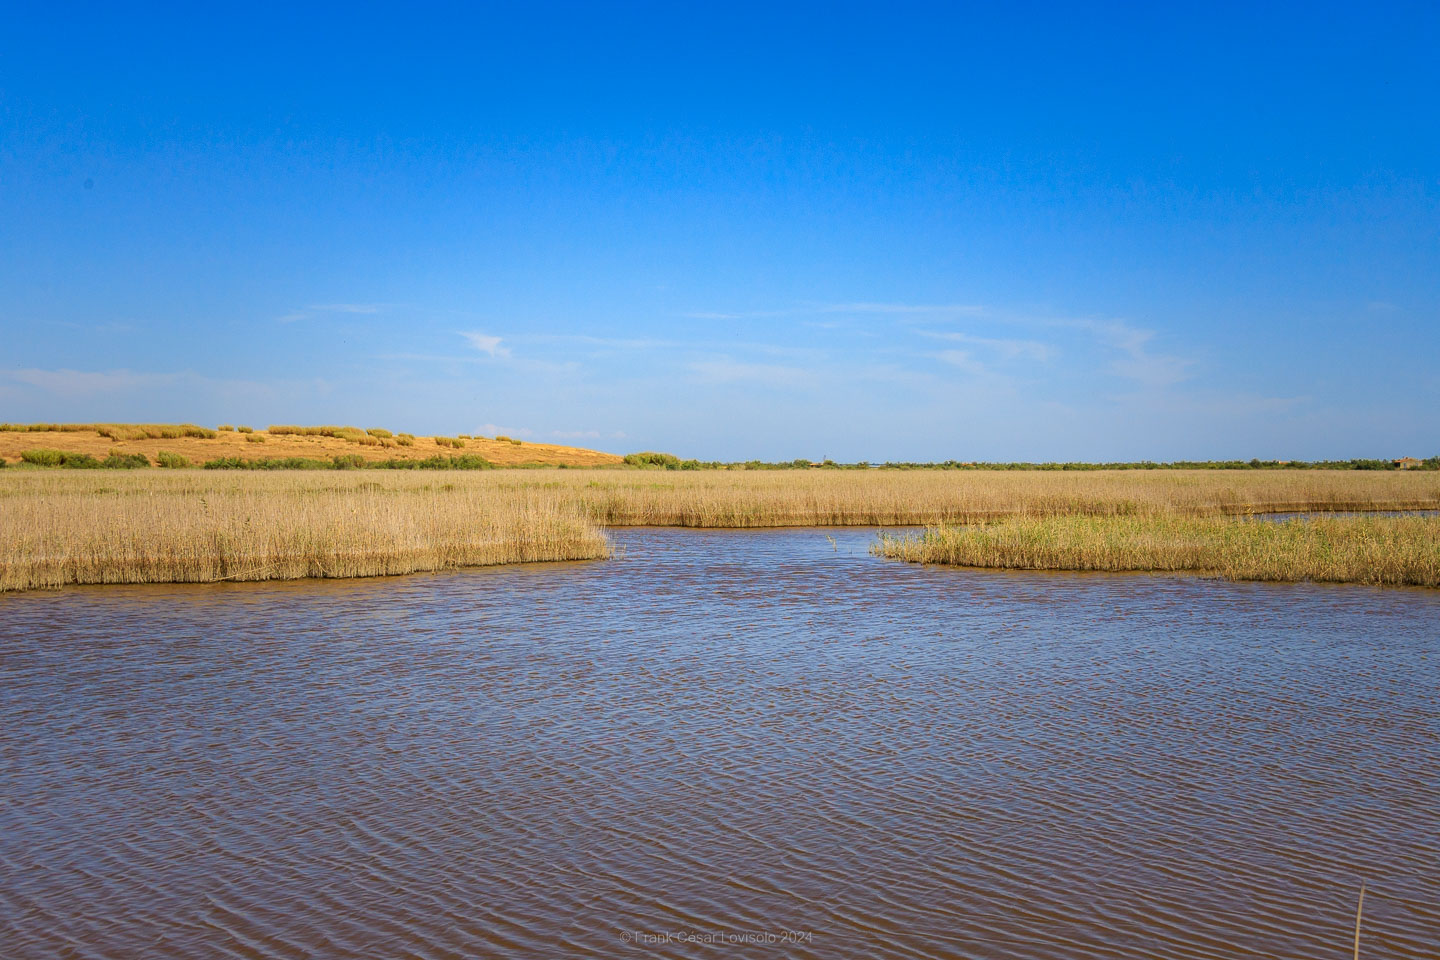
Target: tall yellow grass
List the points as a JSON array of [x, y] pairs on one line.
[[58, 529], [889, 497], [95, 526], [1402, 550]]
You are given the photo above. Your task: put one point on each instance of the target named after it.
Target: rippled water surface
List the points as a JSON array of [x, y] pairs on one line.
[[762, 736]]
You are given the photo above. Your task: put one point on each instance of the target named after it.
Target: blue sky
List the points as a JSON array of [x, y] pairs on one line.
[[731, 231]]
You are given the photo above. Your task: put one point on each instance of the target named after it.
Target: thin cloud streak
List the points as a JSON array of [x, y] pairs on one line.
[[1137, 362], [486, 344], [955, 309], [92, 385], [722, 370], [306, 313], [1009, 349], [961, 359]]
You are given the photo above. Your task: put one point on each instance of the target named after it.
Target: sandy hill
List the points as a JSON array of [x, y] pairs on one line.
[[133, 439]]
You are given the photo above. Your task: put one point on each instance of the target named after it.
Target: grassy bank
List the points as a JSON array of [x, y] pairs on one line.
[[135, 526], [99, 527], [1371, 550], [888, 498]]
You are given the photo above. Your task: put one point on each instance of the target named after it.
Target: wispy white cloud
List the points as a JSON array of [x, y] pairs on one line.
[[305, 313], [486, 344], [103, 386], [863, 307], [727, 370], [1136, 362], [960, 309], [609, 343], [76, 383], [107, 327], [1009, 349], [347, 307], [962, 360]]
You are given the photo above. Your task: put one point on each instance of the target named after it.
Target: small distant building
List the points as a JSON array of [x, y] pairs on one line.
[[1407, 463]]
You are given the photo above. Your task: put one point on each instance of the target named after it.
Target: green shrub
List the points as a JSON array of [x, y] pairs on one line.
[[171, 461], [79, 461], [124, 461], [466, 461], [380, 432], [274, 463], [405, 439], [455, 442], [43, 458], [225, 428], [254, 438], [653, 459], [350, 462], [246, 429]]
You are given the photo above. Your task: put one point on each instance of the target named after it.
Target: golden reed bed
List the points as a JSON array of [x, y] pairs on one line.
[[59, 527], [766, 498], [1399, 551], [109, 528]]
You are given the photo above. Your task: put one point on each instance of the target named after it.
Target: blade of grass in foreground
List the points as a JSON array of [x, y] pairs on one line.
[[1359, 910]]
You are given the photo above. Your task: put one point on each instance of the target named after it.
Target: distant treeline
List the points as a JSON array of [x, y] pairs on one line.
[[666, 461], [1430, 463]]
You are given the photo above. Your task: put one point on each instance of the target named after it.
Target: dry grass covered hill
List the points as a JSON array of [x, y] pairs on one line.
[[200, 444]]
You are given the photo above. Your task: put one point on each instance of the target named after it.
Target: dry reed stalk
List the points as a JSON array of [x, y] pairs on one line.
[[1359, 910]]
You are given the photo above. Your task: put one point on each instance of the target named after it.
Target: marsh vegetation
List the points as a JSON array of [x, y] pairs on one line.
[[1390, 550], [778, 498], [188, 526], [136, 526]]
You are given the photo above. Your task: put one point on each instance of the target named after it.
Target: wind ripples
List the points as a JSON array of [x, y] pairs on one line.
[[760, 735]]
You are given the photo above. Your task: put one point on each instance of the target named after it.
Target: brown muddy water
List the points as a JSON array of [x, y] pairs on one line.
[[731, 743]]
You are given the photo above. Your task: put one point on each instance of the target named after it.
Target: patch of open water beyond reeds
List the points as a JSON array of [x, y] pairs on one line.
[[1345, 513], [762, 735]]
